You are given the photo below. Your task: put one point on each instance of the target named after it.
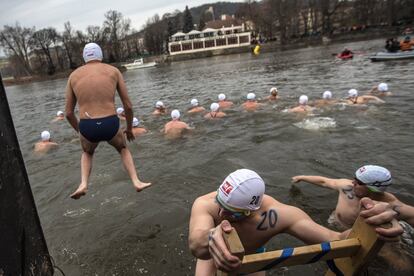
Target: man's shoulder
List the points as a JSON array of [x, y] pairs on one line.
[[205, 200]]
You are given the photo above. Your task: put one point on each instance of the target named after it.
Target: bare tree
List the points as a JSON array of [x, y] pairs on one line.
[[15, 40], [43, 39], [117, 27]]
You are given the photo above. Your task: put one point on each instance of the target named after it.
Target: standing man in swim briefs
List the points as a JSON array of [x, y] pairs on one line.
[[93, 87], [241, 203]]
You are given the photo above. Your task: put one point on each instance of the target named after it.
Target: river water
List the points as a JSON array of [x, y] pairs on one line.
[[115, 231]]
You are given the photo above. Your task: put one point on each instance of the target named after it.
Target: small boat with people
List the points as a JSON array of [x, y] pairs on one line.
[[383, 56], [138, 64]]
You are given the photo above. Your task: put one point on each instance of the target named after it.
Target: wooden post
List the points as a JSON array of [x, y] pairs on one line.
[[23, 249]]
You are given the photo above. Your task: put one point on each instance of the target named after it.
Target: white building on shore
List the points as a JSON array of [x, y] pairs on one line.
[[209, 39]]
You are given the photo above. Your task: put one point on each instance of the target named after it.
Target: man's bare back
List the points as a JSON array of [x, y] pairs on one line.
[[175, 128]]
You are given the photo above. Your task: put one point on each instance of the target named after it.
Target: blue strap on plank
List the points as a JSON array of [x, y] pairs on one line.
[[332, 266], [326, 247], [286, 253]]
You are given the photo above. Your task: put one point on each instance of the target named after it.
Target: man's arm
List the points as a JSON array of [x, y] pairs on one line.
[[70, 106], [126, 102], [326, 182], [374, 98]]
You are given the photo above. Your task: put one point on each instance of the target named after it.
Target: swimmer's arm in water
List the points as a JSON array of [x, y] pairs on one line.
[[334, 184], [70, 106], [374, 98], [201, 224]]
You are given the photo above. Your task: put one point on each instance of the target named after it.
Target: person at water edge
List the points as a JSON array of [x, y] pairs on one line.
[[405, 45], [223, 102], [59, 116], [214, 112], [353, 98], [392, 45], [241, 203], [121, 113], [98, 119], [303, 106], [45, 144], [326, 100], [273, 94], [175, 128], [195, 107], [136, 130], [346, 52], [251, 104], [159, 108], [380, 90]]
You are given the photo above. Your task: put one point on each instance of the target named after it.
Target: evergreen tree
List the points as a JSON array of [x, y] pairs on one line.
[[188, 20]]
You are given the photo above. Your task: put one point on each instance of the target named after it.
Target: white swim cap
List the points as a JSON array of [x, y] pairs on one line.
[[45, 135], [221, 97], [135, 122], [352, 93], [194, 102], [242, 189], [251, 96], [159, 104], [60, 113], [303, 99], [119, 110], [376, 178], [214, 107], [273, 89], [175, 114], [383, 87], [327, 95], [92, 51]]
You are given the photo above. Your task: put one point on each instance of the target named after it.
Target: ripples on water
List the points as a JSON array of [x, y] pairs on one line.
[[114, 230]]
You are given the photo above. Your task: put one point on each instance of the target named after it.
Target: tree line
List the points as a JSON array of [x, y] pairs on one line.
[[47, 51]]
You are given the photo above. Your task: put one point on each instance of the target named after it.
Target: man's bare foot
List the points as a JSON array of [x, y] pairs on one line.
[[139, 186], [81, 191]]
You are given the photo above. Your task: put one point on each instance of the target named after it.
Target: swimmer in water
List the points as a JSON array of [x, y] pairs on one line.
[[59, 116], [274, 94], [136, 130], [380, 90], [240, 202], [159, 108], [353, 98], [251, 104], [325, 101], [195, 107], [45, 143], [223, 102], [303, 106], [98, 119], [121, 113], [175, 128], [214, 112]]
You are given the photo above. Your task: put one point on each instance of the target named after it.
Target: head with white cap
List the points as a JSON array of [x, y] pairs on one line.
[[135, 122], [92, 51], [120, 111], [273, 91], [240, 193], [221, 97], [214, 107], [303, 100], [382, 87], [352, 93], [327, 95], [194, 102], [373, 178], [159, 105], [45, 136], [60, 113], [251, 96], [175, 114]]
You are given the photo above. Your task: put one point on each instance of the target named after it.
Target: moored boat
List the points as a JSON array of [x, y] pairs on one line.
[[139, 63], [382, 56]]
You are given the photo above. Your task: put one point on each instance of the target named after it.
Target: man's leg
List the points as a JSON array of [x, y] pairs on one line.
[[86, 166], [120, 145]]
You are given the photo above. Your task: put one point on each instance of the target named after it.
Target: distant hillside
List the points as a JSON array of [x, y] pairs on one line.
[[220, 8]]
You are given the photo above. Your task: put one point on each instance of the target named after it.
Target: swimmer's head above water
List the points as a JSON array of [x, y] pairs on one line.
[[120, 110], [376, 178], [221, 97], [60, 113], [159, 104], [273, 91], [194, 102], [352, 93], [382, 87], [45, 136], [327, 95], [303, 100], [175, 114], [135, 122], [92, 51], [214, 107], [251, 96]]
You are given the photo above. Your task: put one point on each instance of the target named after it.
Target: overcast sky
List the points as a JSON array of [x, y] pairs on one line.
[[81, 13]]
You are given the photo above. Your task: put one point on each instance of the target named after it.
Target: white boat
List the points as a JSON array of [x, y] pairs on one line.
[[381, 56], [139, 63]]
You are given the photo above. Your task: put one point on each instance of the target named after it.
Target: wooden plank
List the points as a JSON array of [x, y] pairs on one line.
[[235, 246]]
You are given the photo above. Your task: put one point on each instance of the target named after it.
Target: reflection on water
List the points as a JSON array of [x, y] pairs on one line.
[[114, 230]]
